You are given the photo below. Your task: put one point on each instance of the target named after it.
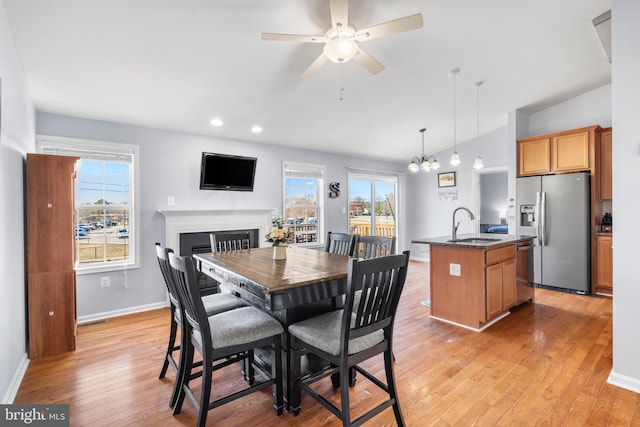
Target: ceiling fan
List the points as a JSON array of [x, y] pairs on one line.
[[341, 40]]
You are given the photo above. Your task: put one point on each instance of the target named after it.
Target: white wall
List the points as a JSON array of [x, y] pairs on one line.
[[591, 108], [170, 166], [17, 136], [430, 210], [626, 203]]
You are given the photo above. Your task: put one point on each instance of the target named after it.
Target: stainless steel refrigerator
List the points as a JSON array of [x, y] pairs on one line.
[[555, 209]]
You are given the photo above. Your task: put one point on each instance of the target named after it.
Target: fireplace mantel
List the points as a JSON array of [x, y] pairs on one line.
[[198, 220]]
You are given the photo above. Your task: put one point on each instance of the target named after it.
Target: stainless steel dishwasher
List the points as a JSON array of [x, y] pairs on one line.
[[524, 272]]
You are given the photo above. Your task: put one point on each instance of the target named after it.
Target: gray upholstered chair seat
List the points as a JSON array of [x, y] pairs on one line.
[[323, 332], [240, 326], [219, 303], [216, 304]]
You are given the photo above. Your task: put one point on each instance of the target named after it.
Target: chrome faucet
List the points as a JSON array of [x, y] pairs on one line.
[[454, 226]]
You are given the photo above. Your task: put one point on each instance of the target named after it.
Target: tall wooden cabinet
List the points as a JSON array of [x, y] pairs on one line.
[[51, 287]]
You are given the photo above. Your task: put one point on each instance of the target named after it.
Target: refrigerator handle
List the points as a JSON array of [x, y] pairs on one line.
[[538, 217], [543, 219]]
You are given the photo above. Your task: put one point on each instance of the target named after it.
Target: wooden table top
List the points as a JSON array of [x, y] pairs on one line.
[[303, 266]]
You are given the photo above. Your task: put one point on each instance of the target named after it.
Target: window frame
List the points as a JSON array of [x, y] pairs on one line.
[[87, 145], [314, 170]]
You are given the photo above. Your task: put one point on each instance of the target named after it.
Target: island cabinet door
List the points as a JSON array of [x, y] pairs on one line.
[[494, 290], [509, 296], [501, 287]]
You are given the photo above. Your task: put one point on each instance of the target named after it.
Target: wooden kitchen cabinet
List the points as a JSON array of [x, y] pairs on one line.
[[51, 287], [604, 248], [560, 152], [534, 157], [500, 281], [606, 187]]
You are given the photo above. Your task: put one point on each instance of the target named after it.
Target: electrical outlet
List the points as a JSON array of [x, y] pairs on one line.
[[454, 269], [105, 281], [171, 201]]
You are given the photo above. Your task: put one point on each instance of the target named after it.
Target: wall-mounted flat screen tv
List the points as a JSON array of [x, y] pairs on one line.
[[227, 172]]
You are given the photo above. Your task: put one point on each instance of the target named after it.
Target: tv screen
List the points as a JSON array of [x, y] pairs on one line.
[[227, 172]]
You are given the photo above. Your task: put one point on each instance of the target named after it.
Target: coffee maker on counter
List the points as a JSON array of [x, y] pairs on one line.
[[607, 223]]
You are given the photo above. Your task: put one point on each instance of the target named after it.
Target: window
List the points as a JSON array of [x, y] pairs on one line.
[[303, 201], [105, 209], [372, 205]]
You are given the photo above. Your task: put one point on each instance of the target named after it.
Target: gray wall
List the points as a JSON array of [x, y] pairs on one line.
[[493, 193], [626, 203], [17, 136], [170, 166]]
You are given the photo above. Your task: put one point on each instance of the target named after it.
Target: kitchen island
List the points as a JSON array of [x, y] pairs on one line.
[[473, 278]]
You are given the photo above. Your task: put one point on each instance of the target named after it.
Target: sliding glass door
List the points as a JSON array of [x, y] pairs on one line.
[[372, 205]]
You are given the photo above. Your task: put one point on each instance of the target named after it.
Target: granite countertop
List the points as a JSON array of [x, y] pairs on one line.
[[500, 240], [604, 233]]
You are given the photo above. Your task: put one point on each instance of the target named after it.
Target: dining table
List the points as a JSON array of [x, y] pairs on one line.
[[308, 282]]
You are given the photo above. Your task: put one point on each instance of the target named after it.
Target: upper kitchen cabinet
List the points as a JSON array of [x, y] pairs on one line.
[[534, 156], [606, 189], [560, 152]]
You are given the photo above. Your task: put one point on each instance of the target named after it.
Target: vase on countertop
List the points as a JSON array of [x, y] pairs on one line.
[[280, 252]]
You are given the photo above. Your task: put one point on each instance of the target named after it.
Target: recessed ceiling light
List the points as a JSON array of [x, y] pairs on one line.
[[256, 129], [217, 122]]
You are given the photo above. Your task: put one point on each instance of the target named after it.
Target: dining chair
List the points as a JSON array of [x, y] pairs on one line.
[[213, 304], [221, 340], [340, 243], [229, 241], [367, 247], [345, 338]]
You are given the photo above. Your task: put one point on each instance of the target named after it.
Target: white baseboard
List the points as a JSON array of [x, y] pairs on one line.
[[122, 312], [10, 395], [624, 381]]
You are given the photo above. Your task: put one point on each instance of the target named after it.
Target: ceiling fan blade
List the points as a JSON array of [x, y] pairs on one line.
[[320, 60], [339, 13], [292, 38], [371, 64], [390, 27]]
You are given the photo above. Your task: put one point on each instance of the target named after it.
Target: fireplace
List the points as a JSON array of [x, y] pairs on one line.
[[187, 231], [201, 221], [199, 242]]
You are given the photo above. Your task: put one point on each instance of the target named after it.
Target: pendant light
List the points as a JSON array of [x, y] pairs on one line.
[[455, 158], [425, 163], [478, 164]]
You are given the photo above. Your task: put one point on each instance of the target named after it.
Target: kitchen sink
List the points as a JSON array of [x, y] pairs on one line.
[[474, 240]]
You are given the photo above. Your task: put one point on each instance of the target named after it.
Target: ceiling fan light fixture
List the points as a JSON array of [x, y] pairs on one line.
[[340, 50]]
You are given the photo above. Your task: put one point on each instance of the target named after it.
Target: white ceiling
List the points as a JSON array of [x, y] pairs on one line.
[[176, 64]]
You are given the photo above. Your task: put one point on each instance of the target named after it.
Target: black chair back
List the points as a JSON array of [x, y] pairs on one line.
[[380, 281], [340, 243], [163, 260], [184, 276], [229, 241], [367, 247]]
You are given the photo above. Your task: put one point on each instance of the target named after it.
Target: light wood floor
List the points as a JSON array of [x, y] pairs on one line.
[[545, 364]]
